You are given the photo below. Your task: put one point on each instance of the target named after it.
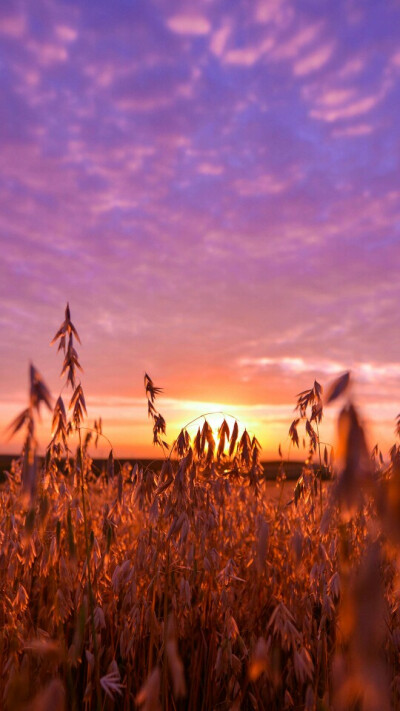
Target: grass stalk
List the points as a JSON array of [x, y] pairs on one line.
[[89, 578]]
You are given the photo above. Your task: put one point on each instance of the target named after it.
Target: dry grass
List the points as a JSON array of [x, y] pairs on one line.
[[193, 588]]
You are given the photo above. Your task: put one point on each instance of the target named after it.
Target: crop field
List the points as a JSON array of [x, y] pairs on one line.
[[199, 584]]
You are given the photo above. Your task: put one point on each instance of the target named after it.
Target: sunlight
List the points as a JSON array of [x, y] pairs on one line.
[[215, 420]]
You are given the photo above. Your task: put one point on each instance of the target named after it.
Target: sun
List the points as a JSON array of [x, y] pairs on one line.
[[221, 424]]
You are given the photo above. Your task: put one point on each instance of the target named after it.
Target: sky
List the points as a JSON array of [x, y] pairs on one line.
[[214, 188]]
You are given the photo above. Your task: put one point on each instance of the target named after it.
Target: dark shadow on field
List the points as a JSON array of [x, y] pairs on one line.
[[271, 468]]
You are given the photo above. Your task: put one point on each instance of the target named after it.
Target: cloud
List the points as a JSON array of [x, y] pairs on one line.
[[278, 12], [219, 39], [313, 61], [210, 169], [361, 129], [291, 46], [363, 371], [332, 97], [47, 53], [260, 185], [353, 109], [395, 60], [66, 33], [247, 56], [352, 67], [13, 25], [188, 24]]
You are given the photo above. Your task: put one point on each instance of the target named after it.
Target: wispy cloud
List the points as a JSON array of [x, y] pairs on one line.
[[13, 25], [247, 56], [189, 24], [298, 41], [219, 38], [66, 33], [360, 129], [313, 61], [363, 370], [353, 109]]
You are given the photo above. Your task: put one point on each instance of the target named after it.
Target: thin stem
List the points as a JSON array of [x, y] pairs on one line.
[[165, 661], [90, 589], [100, 434], [320, 467]]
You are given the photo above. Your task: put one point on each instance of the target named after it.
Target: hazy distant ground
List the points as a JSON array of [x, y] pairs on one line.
[[292, 469]]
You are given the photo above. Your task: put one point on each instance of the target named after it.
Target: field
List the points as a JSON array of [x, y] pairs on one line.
[[199, 584], [271, 468]]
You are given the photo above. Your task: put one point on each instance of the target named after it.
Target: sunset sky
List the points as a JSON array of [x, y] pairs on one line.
[[214, 187]]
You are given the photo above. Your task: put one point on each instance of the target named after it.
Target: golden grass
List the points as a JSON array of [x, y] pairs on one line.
[[193, 588]]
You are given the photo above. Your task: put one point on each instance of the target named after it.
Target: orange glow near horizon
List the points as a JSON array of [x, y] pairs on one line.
[[126, 426]]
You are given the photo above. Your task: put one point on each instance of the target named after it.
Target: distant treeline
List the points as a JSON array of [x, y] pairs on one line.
[[271, 468]]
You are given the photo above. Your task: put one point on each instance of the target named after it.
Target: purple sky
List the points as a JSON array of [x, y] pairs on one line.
[[215, 189]]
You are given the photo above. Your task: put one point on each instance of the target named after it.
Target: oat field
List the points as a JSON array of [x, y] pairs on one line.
[[192, 587]]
